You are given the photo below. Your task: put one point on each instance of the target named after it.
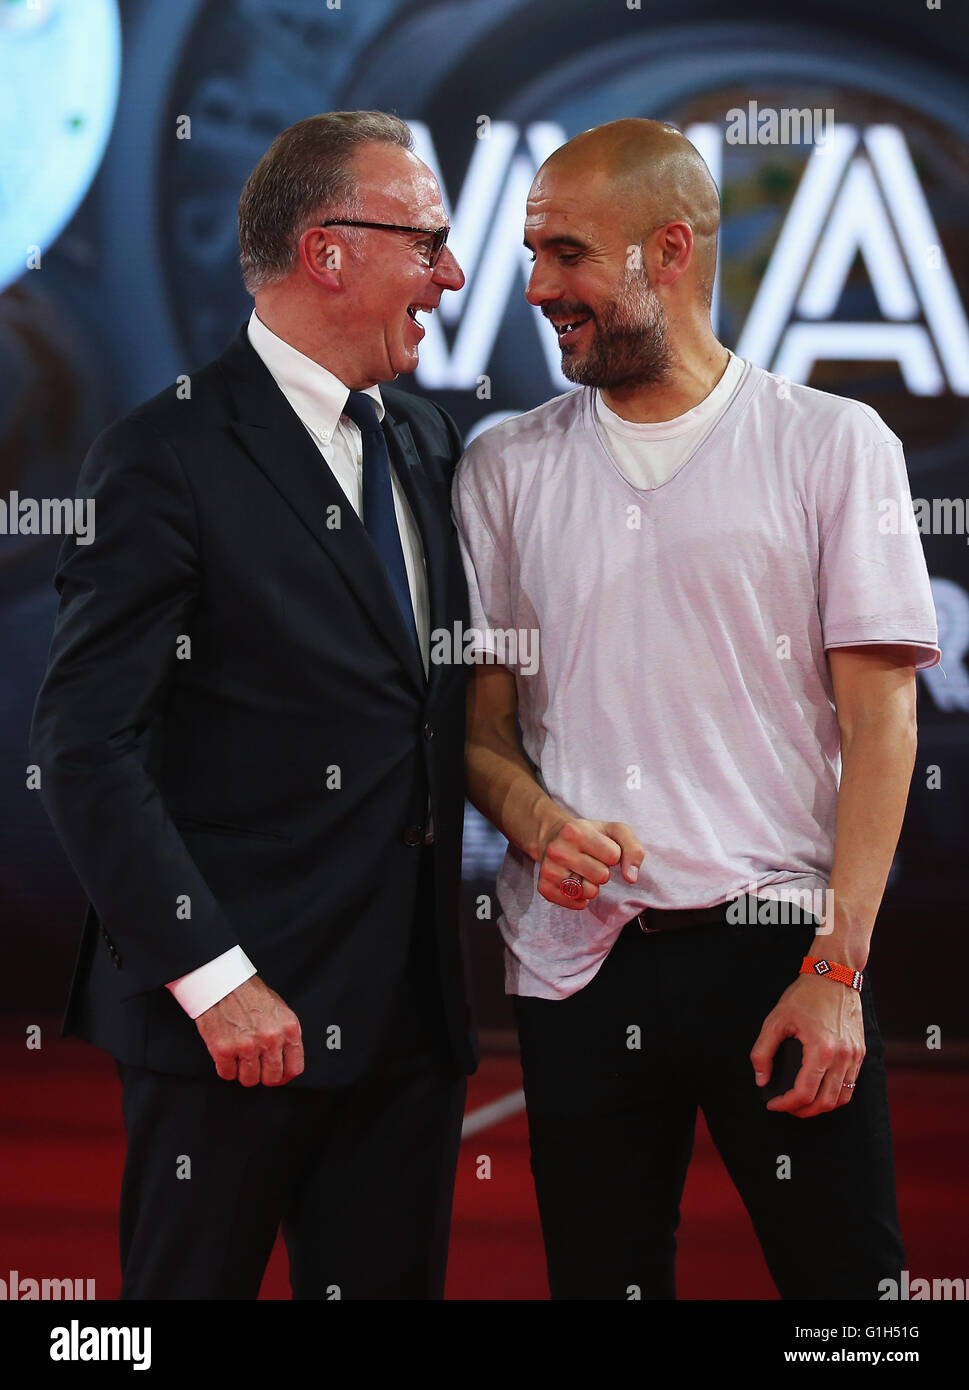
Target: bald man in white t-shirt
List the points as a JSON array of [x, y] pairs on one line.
[[715, 747]]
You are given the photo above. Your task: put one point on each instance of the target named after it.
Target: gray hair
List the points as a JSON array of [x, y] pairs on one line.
[[306, 173]]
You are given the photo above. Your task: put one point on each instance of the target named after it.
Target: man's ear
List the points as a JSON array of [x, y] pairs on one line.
[[321, 256], [672, 252]]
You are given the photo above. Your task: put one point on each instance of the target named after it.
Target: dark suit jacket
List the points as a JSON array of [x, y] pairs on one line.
[[235, 735]]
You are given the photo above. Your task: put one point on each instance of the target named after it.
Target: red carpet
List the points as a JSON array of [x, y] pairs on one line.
[[63, 1146]]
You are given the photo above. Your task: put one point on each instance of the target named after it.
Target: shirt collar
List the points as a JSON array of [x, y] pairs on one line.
[[317, 396], [668, 429]]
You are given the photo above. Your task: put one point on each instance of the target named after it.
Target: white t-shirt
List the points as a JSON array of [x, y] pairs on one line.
[[681, 682], [646, 454]]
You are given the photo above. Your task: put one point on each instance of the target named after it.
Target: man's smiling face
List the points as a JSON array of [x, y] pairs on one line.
[[387, 273], [610, 324]]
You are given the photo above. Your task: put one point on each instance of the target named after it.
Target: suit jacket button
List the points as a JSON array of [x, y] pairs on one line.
[[428, 730], [414, 835]]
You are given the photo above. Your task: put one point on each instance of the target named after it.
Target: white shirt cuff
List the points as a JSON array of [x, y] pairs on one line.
[[201, 988]]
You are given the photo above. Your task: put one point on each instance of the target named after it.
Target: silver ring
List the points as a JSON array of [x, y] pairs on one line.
[[571, 886], [847, 1085]]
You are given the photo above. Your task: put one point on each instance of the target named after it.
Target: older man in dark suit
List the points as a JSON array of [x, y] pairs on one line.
[[256, 771]]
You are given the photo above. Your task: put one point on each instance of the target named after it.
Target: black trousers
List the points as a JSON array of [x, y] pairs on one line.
[[360, 1178], [611, 1124]]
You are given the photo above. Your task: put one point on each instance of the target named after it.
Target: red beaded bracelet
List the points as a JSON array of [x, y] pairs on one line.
[[814, 965]]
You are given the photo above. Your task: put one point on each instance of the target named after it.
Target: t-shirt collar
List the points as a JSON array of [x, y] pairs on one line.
[[710, 406]]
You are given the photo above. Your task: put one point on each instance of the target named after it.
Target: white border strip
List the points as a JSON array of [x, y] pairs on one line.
[[493, 1113]]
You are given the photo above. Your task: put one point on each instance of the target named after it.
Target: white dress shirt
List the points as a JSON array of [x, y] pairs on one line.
[[318, 398]]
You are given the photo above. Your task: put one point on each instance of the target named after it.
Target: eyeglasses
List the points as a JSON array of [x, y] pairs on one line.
[[436, 236]]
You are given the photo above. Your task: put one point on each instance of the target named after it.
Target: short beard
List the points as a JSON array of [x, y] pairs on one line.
[[630, 346]]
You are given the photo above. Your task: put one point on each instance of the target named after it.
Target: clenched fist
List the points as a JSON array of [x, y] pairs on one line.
[[252, 1036], [588, 848]]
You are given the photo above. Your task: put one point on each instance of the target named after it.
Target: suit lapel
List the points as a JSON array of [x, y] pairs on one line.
[[279, 444], [427, 514]]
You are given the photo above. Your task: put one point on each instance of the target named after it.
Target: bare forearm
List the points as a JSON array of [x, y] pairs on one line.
[[503, 787], [877, 763]]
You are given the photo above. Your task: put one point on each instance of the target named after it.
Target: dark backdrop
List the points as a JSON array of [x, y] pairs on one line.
[[125, 147]]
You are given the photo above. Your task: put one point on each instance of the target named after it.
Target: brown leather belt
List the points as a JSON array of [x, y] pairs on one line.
[[653, 919]]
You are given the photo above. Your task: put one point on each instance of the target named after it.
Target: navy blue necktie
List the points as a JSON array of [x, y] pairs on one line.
[[379, 516]]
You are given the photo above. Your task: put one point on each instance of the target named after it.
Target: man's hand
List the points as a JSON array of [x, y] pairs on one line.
[[252, 1036], [826, 1017], [588, 848], [502, 785]]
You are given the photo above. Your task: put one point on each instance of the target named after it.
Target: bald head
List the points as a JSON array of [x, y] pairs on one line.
[[647, 174]]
